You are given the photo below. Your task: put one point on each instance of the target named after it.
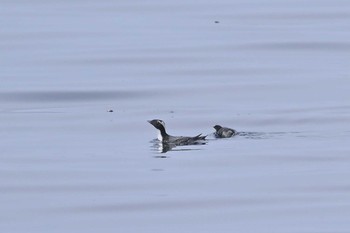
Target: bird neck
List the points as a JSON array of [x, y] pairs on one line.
[[162, 133]]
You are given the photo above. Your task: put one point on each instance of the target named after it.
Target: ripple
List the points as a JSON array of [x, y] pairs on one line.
[[62, 96], [302, 46], [267, 135], [197, 203]]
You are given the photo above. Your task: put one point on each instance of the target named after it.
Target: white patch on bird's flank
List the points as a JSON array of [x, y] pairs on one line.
[[159, 136], [160, 147]]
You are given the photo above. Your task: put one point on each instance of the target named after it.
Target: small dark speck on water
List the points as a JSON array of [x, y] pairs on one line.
[[216, 21], [110, 110]]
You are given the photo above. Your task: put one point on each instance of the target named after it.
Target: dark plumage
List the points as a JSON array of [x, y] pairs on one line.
[[177, 140], [224, 132]]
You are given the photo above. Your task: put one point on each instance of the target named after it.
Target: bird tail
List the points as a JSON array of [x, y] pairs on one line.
[[200, 137]]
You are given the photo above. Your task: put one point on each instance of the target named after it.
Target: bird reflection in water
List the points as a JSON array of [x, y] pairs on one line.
[[163, 147]]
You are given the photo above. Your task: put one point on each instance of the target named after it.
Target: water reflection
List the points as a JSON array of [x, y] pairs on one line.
[[163, 147]]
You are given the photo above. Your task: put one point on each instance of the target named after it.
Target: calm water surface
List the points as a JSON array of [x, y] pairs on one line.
[[276, 71]]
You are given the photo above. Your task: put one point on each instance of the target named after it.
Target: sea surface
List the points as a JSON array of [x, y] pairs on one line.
[[79, 80]]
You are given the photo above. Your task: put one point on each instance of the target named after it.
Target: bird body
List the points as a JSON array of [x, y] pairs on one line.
[[224, 132], [164, 137]]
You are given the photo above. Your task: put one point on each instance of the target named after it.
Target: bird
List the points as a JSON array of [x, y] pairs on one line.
[[164, 137], [224, 132]]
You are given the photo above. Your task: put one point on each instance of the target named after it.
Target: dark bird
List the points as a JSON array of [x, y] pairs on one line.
[[224, 132], [176, 140]]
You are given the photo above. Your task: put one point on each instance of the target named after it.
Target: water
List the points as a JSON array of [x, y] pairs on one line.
[[276, 71]]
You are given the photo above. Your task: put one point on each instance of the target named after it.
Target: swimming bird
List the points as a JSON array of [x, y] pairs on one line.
[[176, 140], [224, 132]]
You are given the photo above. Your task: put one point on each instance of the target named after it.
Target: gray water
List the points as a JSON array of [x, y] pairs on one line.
[[276, 71]]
